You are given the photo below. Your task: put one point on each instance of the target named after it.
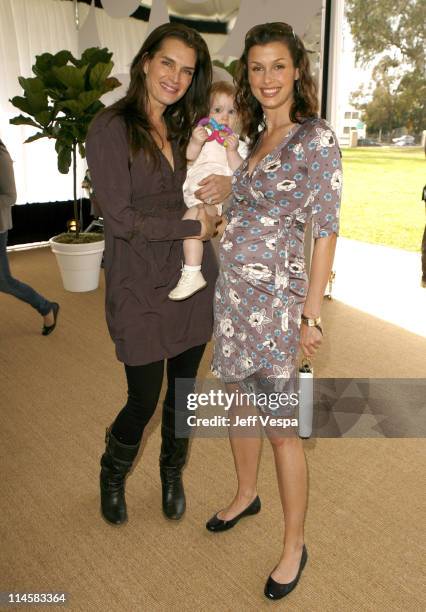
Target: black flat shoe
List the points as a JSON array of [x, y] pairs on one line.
[[276, 590], [216, 524], [48, 329]]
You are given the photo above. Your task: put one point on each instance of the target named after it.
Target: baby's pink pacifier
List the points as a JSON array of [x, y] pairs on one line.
[[217, 131]]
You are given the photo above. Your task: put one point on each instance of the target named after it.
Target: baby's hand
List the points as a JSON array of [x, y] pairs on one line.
[[232, 142], [200, 135]]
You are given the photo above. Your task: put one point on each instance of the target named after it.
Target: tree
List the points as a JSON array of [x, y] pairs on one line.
[[389, 26], [381, 113], [411, 96], [393, 32]]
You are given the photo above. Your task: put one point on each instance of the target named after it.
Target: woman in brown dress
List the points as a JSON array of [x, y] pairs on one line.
[[265, 306], [135, 152]]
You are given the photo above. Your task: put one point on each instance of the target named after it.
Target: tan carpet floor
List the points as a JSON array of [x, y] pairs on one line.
[[57, 394]]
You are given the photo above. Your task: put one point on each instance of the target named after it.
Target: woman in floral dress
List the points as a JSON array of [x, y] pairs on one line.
[[263, 294]]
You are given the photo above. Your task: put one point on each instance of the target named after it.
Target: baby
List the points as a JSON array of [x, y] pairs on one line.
[[206, 158]]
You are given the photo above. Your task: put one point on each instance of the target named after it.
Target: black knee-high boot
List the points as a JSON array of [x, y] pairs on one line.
[[116, 463], [172, 459]]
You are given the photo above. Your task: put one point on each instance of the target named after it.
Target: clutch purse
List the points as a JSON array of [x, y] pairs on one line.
[[306, 398]]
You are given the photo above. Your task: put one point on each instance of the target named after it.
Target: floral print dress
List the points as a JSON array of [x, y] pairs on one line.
[[262, 283]]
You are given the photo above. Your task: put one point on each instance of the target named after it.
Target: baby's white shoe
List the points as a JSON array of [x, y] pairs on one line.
[[189, 283]]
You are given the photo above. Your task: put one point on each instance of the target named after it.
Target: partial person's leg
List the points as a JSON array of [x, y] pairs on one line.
[[20, 290], [246, 445], [174, 449], [192, 279], [424, 258], [192, 248], [143, 390], [124, 437], [291, 469], [185, 367], [213, 209]]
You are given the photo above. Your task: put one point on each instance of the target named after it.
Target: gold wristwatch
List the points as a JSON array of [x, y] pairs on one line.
[[312, 322]]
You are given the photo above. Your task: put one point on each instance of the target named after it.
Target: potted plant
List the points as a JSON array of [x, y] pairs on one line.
[[231, 68], [60, 102]]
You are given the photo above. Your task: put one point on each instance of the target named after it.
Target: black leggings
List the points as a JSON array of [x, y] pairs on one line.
[[144, 385]]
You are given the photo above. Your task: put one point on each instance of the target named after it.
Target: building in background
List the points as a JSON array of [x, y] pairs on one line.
[[352, 127]]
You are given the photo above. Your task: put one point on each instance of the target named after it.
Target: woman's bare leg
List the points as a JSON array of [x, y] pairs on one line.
[[291, 469], [246, 444]]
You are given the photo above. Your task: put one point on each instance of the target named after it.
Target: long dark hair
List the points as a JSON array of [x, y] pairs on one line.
[[305, 103], [179, 117]]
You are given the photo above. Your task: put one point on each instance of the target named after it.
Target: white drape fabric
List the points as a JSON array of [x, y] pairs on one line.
[[32, 27], [27, 29]]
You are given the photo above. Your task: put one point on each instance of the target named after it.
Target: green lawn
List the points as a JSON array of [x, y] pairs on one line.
[[381, 196]]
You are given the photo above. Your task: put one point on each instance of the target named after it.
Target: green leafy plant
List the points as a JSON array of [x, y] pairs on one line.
[[231, 68], [61, 101]]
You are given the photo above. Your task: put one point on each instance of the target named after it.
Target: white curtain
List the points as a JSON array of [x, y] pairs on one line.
[[27, 29], [32, 27]]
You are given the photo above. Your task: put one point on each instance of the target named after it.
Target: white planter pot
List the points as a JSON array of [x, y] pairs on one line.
[[79, 264]]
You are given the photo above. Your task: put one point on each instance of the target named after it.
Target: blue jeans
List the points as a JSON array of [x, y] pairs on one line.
[[10, 285]]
